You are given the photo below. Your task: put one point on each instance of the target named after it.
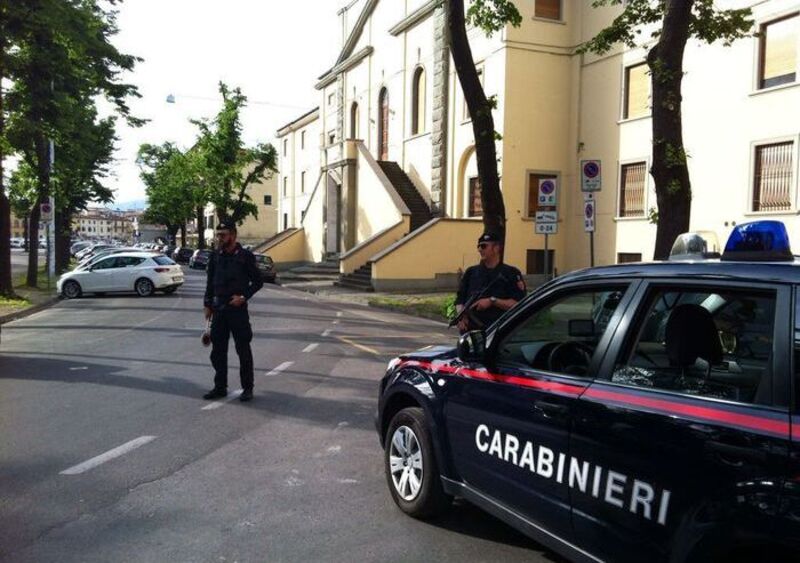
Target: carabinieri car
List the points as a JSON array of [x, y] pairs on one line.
[[639, 412]]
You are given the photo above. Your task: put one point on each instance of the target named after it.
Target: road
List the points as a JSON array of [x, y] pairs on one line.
[[295, 475], [19, 260]]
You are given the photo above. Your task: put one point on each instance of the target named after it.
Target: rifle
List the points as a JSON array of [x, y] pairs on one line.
[[471, 301]]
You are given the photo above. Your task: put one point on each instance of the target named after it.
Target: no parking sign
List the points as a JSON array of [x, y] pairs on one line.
[[591, 179], [588, 215]]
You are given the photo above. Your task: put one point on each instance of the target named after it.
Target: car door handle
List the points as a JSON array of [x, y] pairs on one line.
[[734, 455], [550, 410]]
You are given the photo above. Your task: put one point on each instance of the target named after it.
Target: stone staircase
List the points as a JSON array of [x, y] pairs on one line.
[[326, 271], [420, 214], [361, 279]]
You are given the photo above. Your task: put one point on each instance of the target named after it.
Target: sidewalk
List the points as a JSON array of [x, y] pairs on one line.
[[31, 300], [429, 305]]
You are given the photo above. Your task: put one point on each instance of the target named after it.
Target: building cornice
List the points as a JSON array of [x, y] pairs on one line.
[[350, 44], [330, 77], [301, 121], [415, 17]]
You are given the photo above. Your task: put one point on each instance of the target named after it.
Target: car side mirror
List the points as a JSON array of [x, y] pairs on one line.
[[472, 347], [581, 328]]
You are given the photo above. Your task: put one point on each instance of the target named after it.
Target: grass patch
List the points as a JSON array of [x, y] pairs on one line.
[[436, 307]]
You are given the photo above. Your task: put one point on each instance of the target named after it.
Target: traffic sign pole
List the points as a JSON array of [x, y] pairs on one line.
[[546, 258]]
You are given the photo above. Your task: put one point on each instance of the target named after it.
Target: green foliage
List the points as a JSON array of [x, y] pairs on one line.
[[226, 166], [652, 215], [169, 178], [493, 15], [708, 23], [449, 307]]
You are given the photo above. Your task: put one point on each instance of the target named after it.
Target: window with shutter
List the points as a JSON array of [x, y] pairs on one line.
[[633, 179], [772, 177], [548, 9], [778, 46], [637, 92]]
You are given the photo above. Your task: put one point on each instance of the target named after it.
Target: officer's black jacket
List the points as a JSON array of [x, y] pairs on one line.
[[230, 274], [510, 286]]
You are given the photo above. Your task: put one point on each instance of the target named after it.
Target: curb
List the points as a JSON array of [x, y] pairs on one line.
[[29, 311]]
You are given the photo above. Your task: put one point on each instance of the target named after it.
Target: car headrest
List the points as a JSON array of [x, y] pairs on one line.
[[690, 334]]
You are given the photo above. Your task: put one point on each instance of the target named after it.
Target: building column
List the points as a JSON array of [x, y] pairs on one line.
[[440, 114]]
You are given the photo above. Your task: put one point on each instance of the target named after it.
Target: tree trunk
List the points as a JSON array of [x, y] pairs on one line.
[[183, 233], [32, 277], [62, 239], [6, 284], [480, 110], [43, 179], [201, 227], [670, 169]]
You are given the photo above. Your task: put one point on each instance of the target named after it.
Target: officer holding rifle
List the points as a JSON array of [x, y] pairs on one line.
[[488, 289]]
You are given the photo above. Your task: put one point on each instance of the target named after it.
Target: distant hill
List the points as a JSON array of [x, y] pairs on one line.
[[125, 205]]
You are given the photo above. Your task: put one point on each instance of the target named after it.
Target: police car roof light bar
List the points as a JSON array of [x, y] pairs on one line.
[[701, 245], [759, 241]]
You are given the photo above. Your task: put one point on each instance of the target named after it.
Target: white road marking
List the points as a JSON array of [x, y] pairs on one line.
[[310, 347], [283, 367], [336, 322], [217, 404], [339, 314], [108, 456], [327, 333], [78, 368]]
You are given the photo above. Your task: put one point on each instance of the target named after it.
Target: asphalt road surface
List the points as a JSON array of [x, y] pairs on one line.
[[108, 452]]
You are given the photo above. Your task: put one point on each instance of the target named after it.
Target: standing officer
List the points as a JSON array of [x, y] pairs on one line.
[[488, 289], [232, 280]]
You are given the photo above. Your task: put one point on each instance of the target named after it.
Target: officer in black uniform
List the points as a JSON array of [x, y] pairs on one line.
[[488, 289], [232, 280]]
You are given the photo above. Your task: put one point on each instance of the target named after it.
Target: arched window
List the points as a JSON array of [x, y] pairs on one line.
[[354, 121], [418, 102], [383, 125]]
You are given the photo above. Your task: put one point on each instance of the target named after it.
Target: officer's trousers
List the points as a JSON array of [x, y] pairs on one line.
[[227, 321]]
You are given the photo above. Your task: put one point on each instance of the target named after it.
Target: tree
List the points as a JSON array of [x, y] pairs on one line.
[[61, 52], [168, 176], [490, 16], [227, 167], [676, 22]]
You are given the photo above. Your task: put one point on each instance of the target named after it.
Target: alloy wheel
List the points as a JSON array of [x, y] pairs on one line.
[[405, 460]]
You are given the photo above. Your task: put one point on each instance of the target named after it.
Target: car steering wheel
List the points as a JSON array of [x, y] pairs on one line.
[[569, 357]]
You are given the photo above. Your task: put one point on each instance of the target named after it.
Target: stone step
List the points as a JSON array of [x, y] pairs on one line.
[[354, 284]]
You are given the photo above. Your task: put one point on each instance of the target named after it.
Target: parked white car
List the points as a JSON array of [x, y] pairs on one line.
[[17, 243], [141, 272]]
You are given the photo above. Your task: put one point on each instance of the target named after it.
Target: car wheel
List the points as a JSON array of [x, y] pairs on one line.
[[410, 466], [170, 290], [144, 287], [71, 289]]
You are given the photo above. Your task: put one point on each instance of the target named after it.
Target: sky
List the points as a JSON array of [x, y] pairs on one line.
[[274, 50]]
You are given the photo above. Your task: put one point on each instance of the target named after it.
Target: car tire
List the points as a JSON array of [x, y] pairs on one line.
[[144, 287], [170, 290], [410, 466], [71, 289]]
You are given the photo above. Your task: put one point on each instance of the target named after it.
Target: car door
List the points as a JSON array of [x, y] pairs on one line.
[[687, 430], [127, 272], [100, 276], [508, 422]]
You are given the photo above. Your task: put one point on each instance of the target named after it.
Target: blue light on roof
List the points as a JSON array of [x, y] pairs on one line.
[[759, 241]]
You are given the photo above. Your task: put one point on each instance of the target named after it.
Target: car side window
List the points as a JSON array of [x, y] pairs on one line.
[[707, 343], [106, 264], [562, 336], [129, 261]]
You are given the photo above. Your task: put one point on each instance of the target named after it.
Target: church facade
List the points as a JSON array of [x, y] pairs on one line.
[[382, 178]]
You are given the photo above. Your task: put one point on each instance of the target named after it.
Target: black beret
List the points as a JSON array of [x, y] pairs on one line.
[[488, 237]]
